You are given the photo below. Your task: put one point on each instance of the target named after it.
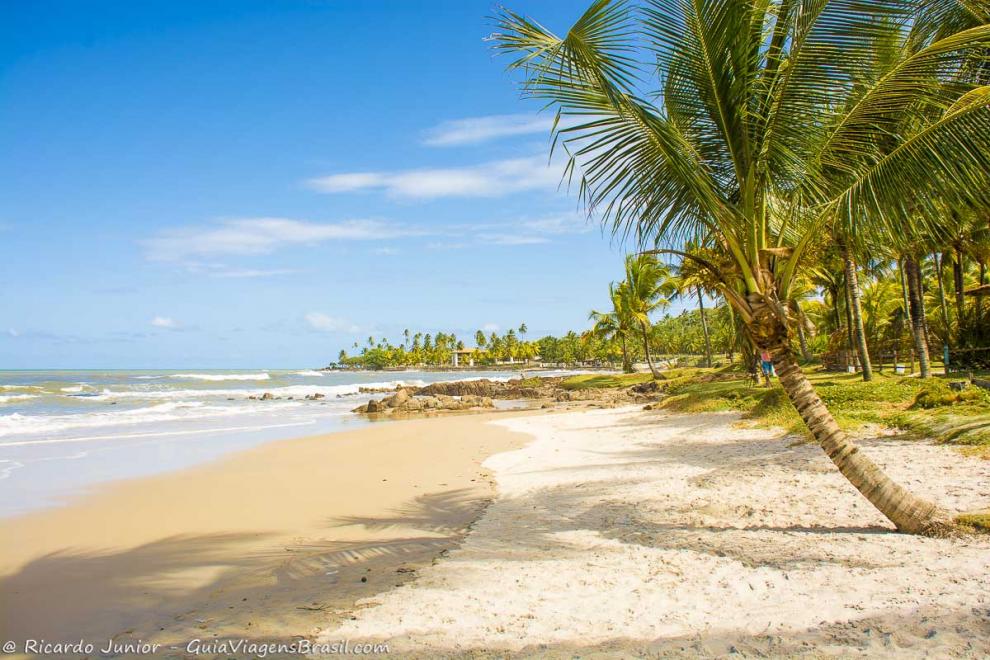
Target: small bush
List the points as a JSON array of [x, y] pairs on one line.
[[979, 521], [938, 394]]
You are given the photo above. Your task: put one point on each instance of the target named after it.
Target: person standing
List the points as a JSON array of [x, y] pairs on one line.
[[766, 363]]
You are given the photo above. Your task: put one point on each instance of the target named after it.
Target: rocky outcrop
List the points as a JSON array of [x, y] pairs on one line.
[[404, 401], [478, 394], [483, 387], [529, 388]]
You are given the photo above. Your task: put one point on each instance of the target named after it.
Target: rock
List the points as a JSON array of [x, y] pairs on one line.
[[398, 399], [958, 385], [483, 387], [649, 387], [374, 407], [267, 396]]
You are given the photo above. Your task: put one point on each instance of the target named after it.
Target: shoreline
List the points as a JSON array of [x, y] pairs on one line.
[[61, 435], [280, 538]]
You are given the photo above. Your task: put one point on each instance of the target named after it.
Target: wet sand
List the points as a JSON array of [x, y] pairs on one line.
[[272, 543]]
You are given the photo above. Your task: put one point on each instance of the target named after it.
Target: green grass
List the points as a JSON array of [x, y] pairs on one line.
[[923, 408], [668, 378], [929, 409], [596, 381], [979, 521]]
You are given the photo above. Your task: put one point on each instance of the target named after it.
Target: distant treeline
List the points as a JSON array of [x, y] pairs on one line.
[[672, 335]]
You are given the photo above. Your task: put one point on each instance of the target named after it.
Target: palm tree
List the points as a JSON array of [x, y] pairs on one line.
[[479, 339], [692, 280], [762, 127], [917, 313], [647, 288], [614, 325], [855, 309]]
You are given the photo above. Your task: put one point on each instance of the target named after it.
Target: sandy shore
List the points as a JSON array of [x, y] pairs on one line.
[[270, 543], [621, 533]]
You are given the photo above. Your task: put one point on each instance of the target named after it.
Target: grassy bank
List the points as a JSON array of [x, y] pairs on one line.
[[922, 408]]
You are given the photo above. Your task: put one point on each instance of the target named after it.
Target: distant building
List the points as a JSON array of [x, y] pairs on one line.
[[463, 354]]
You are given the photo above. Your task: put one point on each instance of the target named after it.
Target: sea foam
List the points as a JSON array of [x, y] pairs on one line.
[[218, 377]]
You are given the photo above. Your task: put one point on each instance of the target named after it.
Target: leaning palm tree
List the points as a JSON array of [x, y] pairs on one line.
[[647, 288], [614, 325], [765, 126]]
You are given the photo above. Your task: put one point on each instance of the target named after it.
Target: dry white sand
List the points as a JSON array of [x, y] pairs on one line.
[[619, 532]]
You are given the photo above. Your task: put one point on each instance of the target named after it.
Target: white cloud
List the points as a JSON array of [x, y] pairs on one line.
[[164, 322], [491, 327], [223, 271], [446, 246], [386, 251], [475, 130], [491, 179], [250, 273], [13, 332], [560, 223], [512, 239], [325, 323], [250, 236]]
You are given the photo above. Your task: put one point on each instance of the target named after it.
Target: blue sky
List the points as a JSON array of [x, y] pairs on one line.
[[258, 184]]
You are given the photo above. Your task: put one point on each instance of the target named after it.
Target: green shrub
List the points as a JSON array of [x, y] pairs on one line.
[[938, 394]]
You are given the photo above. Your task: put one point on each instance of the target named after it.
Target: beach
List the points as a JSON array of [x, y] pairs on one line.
[[585, 530], [269, 543], [620, 533], [64, 432]]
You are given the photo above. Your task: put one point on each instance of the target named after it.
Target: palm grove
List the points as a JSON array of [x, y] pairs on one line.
[[778, 146]]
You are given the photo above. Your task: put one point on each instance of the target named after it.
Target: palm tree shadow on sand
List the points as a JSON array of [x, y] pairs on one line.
[[184, 587]]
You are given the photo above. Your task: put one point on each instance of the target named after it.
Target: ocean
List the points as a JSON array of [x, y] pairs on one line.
[[63, 432]]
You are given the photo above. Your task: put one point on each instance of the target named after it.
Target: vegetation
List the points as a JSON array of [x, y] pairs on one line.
[[596, 381], [927, 409], [782, 148]]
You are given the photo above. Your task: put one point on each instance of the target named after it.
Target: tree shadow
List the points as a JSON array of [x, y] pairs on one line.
[[245, 584]]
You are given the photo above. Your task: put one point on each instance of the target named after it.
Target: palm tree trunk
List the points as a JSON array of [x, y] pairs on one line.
[[907, 306], [704, 328], [734, 338], [909, 513], [646, 347], [852, 285], [626, 362], [957, 284], [850, 334], [803, 340], [911, 271], [979, 299], [942, 301]]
